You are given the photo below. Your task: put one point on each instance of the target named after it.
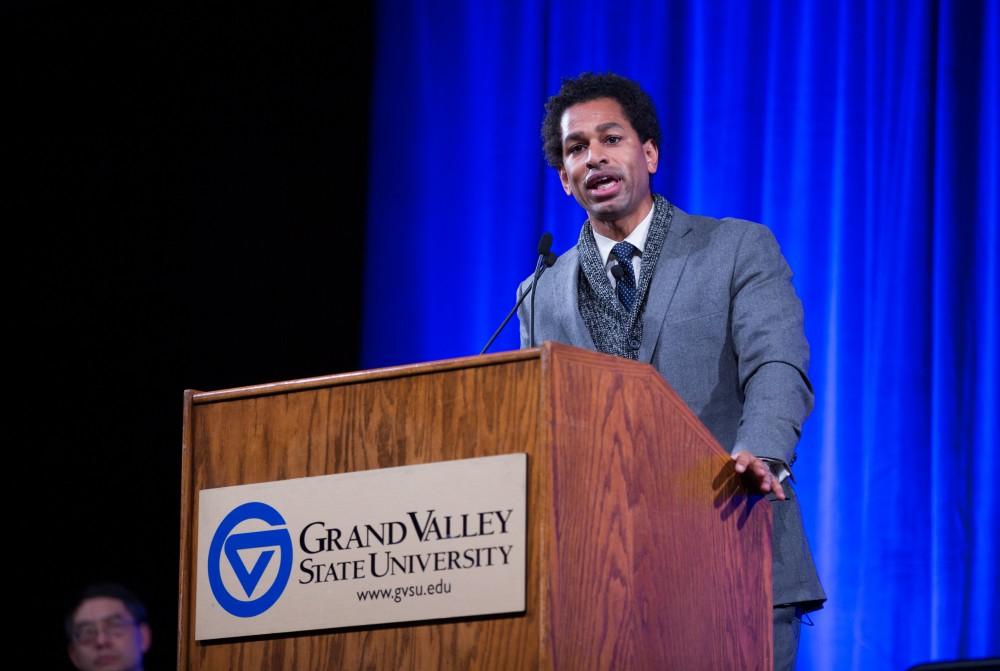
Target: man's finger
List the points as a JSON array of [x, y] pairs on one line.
[[742, 459], [779, 491], [763, 483]]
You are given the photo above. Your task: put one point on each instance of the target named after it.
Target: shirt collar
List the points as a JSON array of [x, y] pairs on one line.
[[637, 238]]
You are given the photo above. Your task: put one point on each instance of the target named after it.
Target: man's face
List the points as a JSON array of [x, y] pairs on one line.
[[106, 637], [606, 167]]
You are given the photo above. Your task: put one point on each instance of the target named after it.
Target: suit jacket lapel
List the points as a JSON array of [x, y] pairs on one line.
[[663, 285]]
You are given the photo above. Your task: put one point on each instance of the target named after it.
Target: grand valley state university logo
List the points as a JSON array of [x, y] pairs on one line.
[[227, 546]]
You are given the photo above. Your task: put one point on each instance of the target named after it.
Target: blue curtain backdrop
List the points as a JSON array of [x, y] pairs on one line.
[[864, 134]]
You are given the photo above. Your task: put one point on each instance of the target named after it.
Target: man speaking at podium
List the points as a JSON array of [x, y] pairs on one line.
[[708, 302]]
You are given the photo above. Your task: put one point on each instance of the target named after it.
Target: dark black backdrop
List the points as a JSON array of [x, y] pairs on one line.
[[196, 183]]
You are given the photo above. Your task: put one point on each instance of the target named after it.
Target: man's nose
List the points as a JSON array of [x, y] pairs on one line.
[[103, 637], [596, 156]]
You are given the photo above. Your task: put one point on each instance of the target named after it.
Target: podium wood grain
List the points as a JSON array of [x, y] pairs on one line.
[[643, 553]]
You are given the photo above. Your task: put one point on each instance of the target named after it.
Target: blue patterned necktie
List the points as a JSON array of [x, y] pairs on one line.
[[624, 251]]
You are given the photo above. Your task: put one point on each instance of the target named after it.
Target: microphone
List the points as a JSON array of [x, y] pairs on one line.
[[544, 244], [546, 259], [544, 247]]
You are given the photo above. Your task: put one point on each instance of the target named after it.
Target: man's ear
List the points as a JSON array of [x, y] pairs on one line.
[[652, 153], [145, 637], [564, 178]]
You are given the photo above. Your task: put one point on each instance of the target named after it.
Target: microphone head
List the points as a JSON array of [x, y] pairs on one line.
[[550, 260], [545, 244], [618, 272]]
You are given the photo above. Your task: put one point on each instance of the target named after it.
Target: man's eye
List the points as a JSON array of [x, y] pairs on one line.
[[85, 633], [575, 149], [613, 139]]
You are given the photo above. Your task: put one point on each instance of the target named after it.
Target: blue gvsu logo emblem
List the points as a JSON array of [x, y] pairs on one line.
[[248, 556]]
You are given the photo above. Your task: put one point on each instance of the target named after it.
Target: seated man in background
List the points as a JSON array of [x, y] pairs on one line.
[[107, 629]]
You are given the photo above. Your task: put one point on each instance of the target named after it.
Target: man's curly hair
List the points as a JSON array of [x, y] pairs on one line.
[[636, 103]]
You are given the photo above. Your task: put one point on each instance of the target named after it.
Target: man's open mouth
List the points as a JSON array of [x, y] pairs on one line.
[[601, 182]]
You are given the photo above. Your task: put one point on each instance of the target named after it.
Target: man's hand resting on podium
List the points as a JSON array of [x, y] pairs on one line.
[[759, 473]]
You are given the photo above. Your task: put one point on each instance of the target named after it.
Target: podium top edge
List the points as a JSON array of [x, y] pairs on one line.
[[199, 397]]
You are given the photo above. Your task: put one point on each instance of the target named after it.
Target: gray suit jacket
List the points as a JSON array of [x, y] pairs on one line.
[[723, 325]]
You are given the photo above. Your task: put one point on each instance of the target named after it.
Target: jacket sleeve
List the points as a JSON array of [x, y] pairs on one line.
[[771, 348]]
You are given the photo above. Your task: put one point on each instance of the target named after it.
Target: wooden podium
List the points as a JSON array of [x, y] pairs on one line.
[[644, 551]]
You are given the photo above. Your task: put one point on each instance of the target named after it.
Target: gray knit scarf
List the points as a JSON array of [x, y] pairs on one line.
[[614, 330]]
